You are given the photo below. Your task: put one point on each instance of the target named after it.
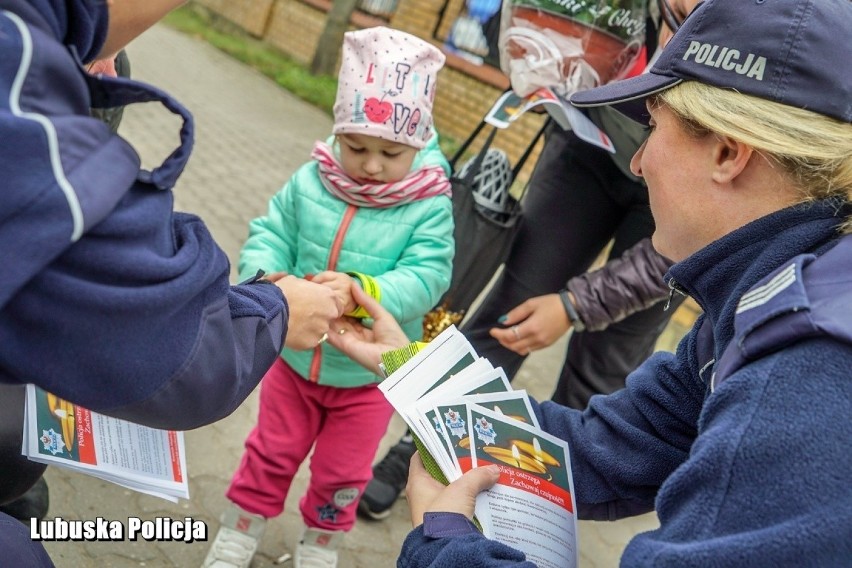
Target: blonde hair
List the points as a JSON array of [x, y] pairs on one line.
[[814, 150]]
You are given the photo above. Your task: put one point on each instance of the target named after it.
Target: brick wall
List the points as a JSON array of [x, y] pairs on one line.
[[460, 103], [294, 28], [251, 15], [417, 17]]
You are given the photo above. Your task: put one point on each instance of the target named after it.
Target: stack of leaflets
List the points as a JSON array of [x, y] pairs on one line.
[[463, 414], [144, 459]]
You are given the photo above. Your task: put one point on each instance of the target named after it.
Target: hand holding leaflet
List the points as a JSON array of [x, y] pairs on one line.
[[464, 416]]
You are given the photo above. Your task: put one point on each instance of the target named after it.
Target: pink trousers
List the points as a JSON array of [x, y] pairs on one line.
[[343, 425]]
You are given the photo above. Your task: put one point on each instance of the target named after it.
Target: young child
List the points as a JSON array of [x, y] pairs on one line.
[[372, 206]]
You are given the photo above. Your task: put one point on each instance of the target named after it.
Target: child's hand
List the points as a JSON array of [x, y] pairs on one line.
[[275, 276], [341, 284], [312, 307], [365, 345]]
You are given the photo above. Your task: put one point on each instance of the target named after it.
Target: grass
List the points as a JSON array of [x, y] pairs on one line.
[[196, 21]]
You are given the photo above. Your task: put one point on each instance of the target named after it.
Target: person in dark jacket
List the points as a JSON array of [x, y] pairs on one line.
[[16, 469], [740, 439], [580, 199], [108, 298]]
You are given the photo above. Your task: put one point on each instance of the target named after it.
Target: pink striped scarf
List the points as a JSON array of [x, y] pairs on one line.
[[428, 181]]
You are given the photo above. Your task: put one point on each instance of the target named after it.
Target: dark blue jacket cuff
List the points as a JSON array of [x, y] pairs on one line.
[[440, 525]]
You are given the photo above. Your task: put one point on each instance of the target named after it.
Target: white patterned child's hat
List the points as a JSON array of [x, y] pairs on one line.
[[386, 86]]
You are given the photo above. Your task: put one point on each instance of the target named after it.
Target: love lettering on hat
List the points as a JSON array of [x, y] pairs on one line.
[[386, 86]]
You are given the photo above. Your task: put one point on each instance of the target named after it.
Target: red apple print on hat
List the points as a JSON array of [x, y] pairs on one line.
[[378, 110]]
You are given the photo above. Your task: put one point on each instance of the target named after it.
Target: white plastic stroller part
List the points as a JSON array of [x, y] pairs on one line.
[[492, 183], [467, 34]]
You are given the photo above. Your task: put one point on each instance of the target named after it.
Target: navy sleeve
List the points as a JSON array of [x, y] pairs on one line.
[[625, 445], [82, 24], [767, 480], [466, 549], [436, 525], [137, 320]]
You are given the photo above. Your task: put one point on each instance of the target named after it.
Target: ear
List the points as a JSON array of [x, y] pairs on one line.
[[730, 158]]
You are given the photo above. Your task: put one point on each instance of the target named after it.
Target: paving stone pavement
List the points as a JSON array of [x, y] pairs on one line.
[[250, 136]]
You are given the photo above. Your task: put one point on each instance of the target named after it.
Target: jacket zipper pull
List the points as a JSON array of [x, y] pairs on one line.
[[673, 287]]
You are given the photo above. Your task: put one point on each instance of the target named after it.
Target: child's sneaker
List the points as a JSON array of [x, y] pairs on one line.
[[237, 539], [318, 549]]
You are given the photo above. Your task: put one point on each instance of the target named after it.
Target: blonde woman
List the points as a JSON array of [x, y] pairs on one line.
[[740, 439]]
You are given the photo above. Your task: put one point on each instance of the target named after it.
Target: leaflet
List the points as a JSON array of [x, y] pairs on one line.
[[479, 377], [510, 107], [532, 506], [463, 414], [148, 460], [452, 353], [451, 422]]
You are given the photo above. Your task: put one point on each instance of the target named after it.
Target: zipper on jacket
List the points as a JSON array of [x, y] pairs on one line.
[[674, 287], [334, 255]]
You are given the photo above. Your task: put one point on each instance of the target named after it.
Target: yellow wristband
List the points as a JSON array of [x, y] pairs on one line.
[[371, 287]]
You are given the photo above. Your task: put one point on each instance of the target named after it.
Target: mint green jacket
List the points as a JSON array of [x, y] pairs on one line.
[[408, 250]]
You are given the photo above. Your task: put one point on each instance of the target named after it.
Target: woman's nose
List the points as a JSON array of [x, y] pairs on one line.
[[636, 160]]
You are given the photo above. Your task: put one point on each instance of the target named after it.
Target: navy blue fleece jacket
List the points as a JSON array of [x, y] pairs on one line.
[[753, 473], [108, 298]]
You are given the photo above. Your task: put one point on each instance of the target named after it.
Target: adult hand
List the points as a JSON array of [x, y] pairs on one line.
[[312, 308], [427, 495], [363, 344], [534, 325]]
